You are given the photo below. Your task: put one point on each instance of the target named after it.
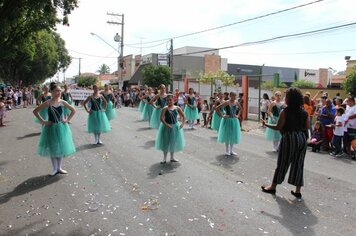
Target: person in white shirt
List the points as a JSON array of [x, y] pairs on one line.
[[350, 124], [181, 99], [338, 132]]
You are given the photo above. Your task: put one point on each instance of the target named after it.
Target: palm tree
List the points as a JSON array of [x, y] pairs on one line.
[[103, 69]]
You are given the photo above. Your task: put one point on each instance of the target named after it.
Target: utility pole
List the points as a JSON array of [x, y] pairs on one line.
[[121, 40], [171, 63], [80, 60]]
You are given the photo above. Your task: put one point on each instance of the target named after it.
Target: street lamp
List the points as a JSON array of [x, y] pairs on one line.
[[117, 38], [94, 34]]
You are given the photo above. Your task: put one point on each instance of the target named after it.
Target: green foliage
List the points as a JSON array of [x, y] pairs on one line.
[[154, 75], [22, 23], [269, 85], [87, 81], [303, 84], [350, 83], [224, 77], [103, 69], [282, 85], [37, 59]]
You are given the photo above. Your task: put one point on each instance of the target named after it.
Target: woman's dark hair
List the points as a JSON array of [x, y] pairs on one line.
[[53, 86], [294, 98], [265, 96]]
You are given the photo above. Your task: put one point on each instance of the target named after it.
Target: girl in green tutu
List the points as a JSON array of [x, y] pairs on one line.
[[229, 131], [170, 137], [191, 111], [147, 108], [66, 96], [273, 115], [42, 98], [110, 111], [141, 97], [215, 122], [56, 140], [158, 102], [97, 120]]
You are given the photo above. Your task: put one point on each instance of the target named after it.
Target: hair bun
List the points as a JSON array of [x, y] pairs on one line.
[[52, 85]]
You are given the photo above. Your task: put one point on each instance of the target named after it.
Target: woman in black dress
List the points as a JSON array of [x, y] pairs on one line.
[[293, 125]]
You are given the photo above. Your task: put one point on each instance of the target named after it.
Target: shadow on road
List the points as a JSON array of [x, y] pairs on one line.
[[28, 136], [29, 185], [149, 144], [159, 169], [295, 216], [87, 146], [226, 161], [143, 129]]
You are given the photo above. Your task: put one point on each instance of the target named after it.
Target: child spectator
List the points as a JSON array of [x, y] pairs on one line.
[[205, 111], [338, 132], [316, 137]]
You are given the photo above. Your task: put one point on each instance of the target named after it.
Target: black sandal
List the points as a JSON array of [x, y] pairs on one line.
[[297, 195], [270, 191]]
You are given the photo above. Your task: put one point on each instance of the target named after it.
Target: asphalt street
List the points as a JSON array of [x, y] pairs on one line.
[[120, 188]]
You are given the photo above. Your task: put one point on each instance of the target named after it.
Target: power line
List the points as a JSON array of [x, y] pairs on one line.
[[90, 55], [301, 53], [273, 39], [231, 24]]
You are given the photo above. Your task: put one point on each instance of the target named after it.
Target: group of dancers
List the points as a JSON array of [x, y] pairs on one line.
[[54, 112], [161, 113]]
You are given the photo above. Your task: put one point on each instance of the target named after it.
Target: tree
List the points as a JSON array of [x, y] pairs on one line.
[[39, 58], [211, 78], [20, 22], [303, 84], [103, 69], [155, 75], [350, 83], [87, 81]]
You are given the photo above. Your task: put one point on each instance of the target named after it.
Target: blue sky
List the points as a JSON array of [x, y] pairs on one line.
[[147, 21]]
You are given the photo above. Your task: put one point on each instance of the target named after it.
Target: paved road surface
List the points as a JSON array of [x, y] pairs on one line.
[[120, 188]]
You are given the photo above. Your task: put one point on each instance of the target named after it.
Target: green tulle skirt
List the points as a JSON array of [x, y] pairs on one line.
[[140, 106], [98, 122], [110, 111], [191, 114], [215, 122], [66, 110], [170, 139], [229, 131], [56, 141], [147, 112], [155, 120], [271, 134], [43, 113]]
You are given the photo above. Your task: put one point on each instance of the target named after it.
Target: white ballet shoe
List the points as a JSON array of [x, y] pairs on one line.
[[61, 171], [233, 153], [227, 154]]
